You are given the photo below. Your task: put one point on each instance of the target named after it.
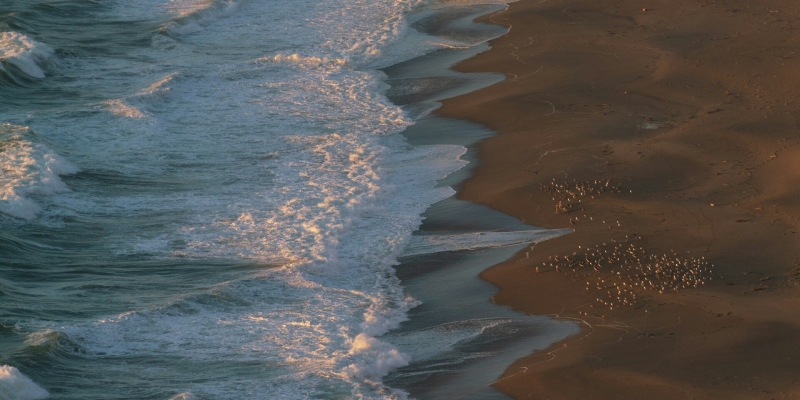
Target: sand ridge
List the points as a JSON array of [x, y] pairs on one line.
[[686, 276]]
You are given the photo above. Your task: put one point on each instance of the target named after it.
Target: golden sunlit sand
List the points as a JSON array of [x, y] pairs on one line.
[[666, 136]]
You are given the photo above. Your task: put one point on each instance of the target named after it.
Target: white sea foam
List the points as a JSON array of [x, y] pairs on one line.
[[23, 53], [132, 106], [286, 156], [121, 108], [183, 396], [160, 86], [382, 358], [27, 168], [14, 385], [311, 61]]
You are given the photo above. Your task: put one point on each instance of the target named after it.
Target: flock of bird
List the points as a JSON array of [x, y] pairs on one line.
[[571, 193], [622, 272]]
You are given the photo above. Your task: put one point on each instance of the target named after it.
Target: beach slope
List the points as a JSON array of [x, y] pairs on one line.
[[666, 135]]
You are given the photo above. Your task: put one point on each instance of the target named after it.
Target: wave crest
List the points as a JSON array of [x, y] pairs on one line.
[[193, 15], [305, 61], [14, 385], [27, 168], [23, 53]]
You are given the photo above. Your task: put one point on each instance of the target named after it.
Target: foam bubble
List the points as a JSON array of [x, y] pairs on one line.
[[23, 53], [14, 385]]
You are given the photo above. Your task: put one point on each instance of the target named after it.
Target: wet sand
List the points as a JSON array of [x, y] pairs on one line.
[[667, 137], [459, 341]]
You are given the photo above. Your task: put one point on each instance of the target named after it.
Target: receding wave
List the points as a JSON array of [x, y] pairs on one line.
[[428, 244]]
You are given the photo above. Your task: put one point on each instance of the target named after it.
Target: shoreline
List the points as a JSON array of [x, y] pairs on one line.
[[689, 117], [459, 341]]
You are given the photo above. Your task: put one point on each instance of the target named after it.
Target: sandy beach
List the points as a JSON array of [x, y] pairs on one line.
[[666, 136]]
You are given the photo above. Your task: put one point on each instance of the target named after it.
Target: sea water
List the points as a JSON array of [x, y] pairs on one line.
[[205, 199]]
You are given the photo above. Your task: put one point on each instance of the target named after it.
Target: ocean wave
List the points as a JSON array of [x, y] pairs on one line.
[[123, 109], [160, 86], [307, 61], [292, 159], [183, 396], [323, 314], [193, 15], [383, 358], [133, 106], [239, 321], [21, 53], [14, 385], [27, 168]]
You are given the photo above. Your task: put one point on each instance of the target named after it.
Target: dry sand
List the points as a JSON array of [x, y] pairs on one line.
[[689, 111]]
